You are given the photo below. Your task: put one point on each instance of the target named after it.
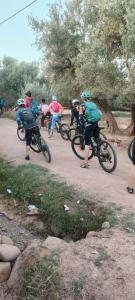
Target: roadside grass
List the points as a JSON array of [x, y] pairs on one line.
[[31, 184], [42, 280], [121, 114], [128, 222], [103, 256]]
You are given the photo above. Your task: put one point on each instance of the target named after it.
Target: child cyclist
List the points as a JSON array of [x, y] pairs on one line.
[[92, 116], [25, 117]]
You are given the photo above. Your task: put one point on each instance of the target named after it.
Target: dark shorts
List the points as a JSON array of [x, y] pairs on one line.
[[91, 130], [28, 134], [133, 153]]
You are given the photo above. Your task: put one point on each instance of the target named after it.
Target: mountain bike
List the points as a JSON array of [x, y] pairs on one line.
[[61, 128], [99, 148], [38, 145]]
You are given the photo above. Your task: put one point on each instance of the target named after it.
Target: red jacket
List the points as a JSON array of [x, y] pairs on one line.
[[27, 101]]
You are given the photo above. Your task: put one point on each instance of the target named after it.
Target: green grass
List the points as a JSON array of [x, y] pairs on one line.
[[128, 222], [103, 256], [31, 184], [42, 280], [9, 116], [121, 114]]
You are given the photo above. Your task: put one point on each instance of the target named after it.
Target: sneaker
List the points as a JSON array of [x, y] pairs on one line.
[[27, 157]]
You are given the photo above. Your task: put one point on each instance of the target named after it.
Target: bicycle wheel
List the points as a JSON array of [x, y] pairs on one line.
[[35, 143], [130, 150], [64, 131], [21, 134], [107, 156], [78, 147], [38, 120], [102, 136], [72, 133], [45, 150]]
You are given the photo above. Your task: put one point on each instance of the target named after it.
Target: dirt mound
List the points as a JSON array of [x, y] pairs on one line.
[[100, 267]]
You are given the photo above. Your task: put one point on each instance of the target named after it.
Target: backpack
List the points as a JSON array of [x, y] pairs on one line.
[[93, 114], [34, 106], [55, 106], [26, 116]]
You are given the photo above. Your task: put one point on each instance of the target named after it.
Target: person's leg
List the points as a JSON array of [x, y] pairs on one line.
[[28, 137], [88, 134], [53, 120], [130, 187], [42, 121]]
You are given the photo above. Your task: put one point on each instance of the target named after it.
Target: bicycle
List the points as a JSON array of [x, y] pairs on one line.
[[61, 128], [99, 148], [38, 145], [21, 133], [79, 130]]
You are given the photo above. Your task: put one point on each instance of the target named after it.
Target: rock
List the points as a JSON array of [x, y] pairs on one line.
[[5, 270], [8, 252], [33, 212], [53, 243], [6, 240], [106, 225], [26, 260]]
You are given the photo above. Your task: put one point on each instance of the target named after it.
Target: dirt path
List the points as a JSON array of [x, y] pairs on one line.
[[110, 187]]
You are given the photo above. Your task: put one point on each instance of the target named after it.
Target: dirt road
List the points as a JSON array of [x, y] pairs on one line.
[[108, 187]]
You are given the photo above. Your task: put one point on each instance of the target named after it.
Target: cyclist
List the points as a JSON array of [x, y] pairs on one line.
[[32, 103], [25, 117], [43, 108], [92, 116], [75, 111], [56, 110]]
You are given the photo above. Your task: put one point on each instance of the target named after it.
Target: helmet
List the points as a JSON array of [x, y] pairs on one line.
[[21, 101], [28, 94], [86, 95], [55, 98], [75, 101]]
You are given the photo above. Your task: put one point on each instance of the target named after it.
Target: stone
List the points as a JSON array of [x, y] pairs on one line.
[[8, 252], [33, 212], [54, 243], [5, 270], [106, 225], [6, 240], [29, 257]]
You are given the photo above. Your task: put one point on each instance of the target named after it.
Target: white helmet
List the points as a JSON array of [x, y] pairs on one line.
[[21, 101], [75, 101]]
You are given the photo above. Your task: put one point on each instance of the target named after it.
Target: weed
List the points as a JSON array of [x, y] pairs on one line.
[[77, 286], [102, 257], [128, 222], [42, 280]]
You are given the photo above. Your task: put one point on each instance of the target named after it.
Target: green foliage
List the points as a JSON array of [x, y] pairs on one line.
[[90, 45], [28, 182]]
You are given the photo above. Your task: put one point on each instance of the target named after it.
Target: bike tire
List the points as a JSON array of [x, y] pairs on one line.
[[21, 134], [102, 136], [35, 144], [72, 133], [45, 150], [104, 150], [64, 131], [130, 150], [78, 146]]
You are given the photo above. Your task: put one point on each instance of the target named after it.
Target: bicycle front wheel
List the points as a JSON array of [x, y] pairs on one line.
[[64, 131], [107, 156], [78, 147], [45, 150], [21, 134]]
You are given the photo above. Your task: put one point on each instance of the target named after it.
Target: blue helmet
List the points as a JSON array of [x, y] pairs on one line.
[[55, 98], [86, 95]]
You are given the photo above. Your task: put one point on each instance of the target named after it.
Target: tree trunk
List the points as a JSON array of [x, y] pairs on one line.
[[107, 114], [129, 130]]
